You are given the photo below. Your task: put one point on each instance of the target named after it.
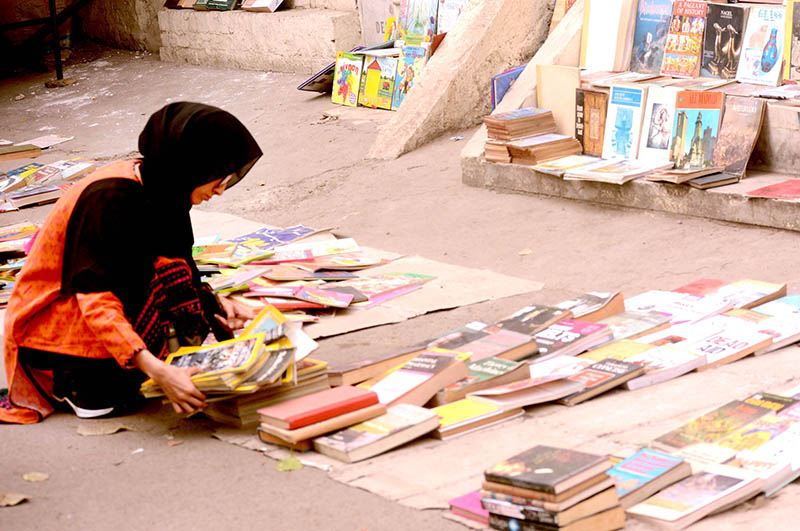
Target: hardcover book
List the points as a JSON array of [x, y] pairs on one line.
[[570, 337], [659, 117], [418, 20], [409, 66], [624, 121], [761, 59], [738, 134], [646, 472], [502, 82], [695, 129], [377, 82], [316, 407], [591, 108], [685, 39], [652, 25], [725, 25], [347, 79]]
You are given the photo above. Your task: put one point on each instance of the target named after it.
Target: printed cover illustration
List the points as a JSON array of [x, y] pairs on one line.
[[659, 117], [650, 37], [418, 19], [685, 39], [412, 59], [624, 122], [722, 45], [695, 129], [542, 467], [347, 79], [377, 82], [502, 82], [643, 466], [738, 133], [761, 60]]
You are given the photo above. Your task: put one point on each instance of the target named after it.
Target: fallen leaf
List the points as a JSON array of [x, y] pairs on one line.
[[35, 476], [525, 252], [289, 464], [100, 428], [174, 443], [7, 499]]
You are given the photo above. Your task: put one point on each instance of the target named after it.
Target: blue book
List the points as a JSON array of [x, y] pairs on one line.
[[650, 36], [645, 473], [502, 82]]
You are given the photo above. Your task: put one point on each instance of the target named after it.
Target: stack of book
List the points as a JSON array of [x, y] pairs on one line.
[[552, 488], [541, 148], [520, 123]]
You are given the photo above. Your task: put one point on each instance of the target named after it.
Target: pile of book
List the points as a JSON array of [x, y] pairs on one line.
[[13, 240], [556, 488], [36, 184]]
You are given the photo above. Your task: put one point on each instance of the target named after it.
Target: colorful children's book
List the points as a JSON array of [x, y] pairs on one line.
[[646, 472], [685, 39], [652, 25], [347, 78], [695, 129], [725, 28], [448, 13], [624, 121], [409, 65], [738, 134], [659, 117], [761, 59], [377, 82], [418, 20]]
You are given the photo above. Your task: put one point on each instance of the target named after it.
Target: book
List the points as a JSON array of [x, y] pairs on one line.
[[791, 42], [483, 373], [418, 20], [738, 134], [496, 151], [409, 65], [19, 151], [630, 325], [555, 90], [712, 181], [549, 381], [502, 82], [268, 6], [533, 318], [469, 506], [519, 123], [467, 415], [374, 15], [680, 307], [788, 189], [621, 349], [418, 379], [400, 424], [607, 520], [221, 5], [447, 14], [361, 370], [650, 37], [616, 171], [663, 363], [695, 129], [558, 167], [761, 56], [35, 195], [786, 306], [600, 377], [599, 502], [570, 337], [316, 407], [489, 342], [607, 34], [594, 305], [591, 108], [684, 44], [548, 469], [552, 502], [722, 44], [749, 293], [624, 121], [377, 82], [696, 496], [322, 81], [347, 78], [646, 472], [659, 117], [326, 426], [541, 148], [299, 446]]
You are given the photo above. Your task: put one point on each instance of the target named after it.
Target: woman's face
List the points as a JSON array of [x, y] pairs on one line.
[[209, 190]]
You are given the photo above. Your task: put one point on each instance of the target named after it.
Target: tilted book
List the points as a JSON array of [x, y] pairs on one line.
[[646, 472], [695, 129], [409, 65], [725, 28], [377, 82], [685, 39], [738, 134], [316, 407], [649, 39], [624, 121], [591, 108], [659, 117], [347, 78], [533, 318], [761, 59], [600, 377]]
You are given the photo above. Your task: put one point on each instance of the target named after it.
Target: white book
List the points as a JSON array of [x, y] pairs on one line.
[[624, 121], [659, 116], [663, 363], [761, 56]]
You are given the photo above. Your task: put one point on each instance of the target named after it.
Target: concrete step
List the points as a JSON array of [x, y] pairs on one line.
[[297, 40], [340, 5]]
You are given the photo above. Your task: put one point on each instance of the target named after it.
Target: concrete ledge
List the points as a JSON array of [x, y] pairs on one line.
[[299, 41], [727, 203]]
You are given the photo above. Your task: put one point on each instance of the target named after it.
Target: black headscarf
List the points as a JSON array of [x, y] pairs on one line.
[[117, 227]]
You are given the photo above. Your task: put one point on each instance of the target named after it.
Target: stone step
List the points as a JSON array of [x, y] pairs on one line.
[[340, 5], [296, 40]]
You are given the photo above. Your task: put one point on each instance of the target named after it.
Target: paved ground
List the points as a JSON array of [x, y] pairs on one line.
[[314, 173]]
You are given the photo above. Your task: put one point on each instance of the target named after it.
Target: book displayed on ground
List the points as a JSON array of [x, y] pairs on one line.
[[326, 426], [725, 28], [600, 377], [624, 121], [695, 130], [347, 78], [555, 90], [359, 371], [738, 134], [788, 189], [630, 325], [316, 407], [541, 148], [696, 496], [533, 318], [591, 109], [594, 305], [729, 345], [502, 82], [558, 167], [483, 373], [659, 117], [712, 181], [469, 506], [786, 306], [775, 461], [516, 508], [447, 14], [22, 151], [526, 392], [750, 293], [377, 82], [607, 520], [322, 81], [684, 45], [490, 342], [418, 19], [400, 424], [519, 123], [646, 472], [269, 6], [467, 415], [621, 349], [409, 65], [664, 363], [650, 37], [580, 493], [570, 337], [548, 469], [785, 330], [761, 55], [682, 308], [418, 379], [615, 171]]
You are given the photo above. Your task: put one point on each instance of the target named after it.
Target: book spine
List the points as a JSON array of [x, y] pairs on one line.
[[579, 116], [512, 510]]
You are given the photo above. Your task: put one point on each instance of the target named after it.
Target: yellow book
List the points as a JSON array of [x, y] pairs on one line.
[[463, 410], [619, 350]]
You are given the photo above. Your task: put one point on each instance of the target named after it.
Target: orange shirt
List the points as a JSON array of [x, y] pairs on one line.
[[38, 316]]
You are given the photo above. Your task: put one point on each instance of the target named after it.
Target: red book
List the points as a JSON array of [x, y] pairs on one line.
[[316, 407]]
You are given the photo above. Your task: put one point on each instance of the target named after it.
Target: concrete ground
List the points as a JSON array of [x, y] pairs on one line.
[[314, 172]]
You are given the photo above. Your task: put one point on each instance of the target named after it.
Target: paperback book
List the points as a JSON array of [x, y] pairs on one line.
[[646, 472], [761, 59], [738, 134], [695, 129], [685, 39], [347, 78], [377, 82], [624, 121], [409, 65], [650, 37], [725, 28], [659, 117]]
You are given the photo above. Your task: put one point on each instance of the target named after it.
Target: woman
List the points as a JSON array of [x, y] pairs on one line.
[[110, 273]]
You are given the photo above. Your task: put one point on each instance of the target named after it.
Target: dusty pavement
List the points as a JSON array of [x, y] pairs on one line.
[[314, 173]]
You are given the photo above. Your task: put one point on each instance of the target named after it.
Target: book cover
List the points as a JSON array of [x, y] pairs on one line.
[[600, 377], [624, 121], [738, 134], [619, 350], [663, 363], [317, 407], [482, 373], [221, 5], [409, 66], [650, 37], [659, 117], [448, 13], [749, 293], [418, 20], [594, 305], [685, 39], [560, 166], [547, 469], [784, 306], [729, 345], [791, 52], [722, 45], [629, 325], [347, 79], [788, 189], [562, 335], [233, 355], [606, 26], [502, 82], [413, 374], [591, 108], [469, 506], [377, 82], [635, 472], [761, 59], [695, 129], [533, 318]]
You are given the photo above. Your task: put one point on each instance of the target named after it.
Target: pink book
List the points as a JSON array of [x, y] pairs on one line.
[[469, 506]]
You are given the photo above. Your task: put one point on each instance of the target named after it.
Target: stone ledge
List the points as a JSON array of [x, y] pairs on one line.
[[726, 203]]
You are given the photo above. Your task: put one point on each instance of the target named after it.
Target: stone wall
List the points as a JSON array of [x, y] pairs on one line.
[[131, 24]]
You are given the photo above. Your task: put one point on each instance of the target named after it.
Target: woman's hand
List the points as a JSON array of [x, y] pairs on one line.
[[176, 382], [236, 315]]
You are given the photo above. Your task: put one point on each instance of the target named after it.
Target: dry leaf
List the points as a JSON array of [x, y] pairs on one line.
[[35, 476], [289, 464], [7, 499], [100, 428]]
